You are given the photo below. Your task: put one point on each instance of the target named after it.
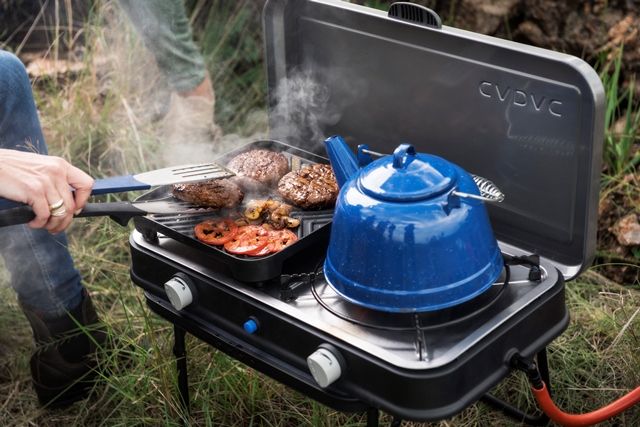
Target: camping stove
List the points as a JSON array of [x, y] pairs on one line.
[[529, 120], [294, 328]]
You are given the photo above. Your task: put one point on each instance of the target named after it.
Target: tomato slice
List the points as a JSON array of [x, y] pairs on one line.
[[266, 250], [278, 240], [249, 240], [216, 231]]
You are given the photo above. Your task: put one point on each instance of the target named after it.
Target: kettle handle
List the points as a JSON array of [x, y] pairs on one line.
[[488, 191]]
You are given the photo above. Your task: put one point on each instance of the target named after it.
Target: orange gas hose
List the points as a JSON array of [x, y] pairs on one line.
[[576, 420]]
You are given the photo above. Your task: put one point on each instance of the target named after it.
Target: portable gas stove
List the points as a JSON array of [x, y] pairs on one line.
[[424, 366], [528, 119]]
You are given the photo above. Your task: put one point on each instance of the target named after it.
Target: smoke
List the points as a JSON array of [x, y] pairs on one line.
[[302, 109]]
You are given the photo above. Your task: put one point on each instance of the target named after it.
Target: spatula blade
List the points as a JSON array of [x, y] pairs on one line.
[[184, 173]]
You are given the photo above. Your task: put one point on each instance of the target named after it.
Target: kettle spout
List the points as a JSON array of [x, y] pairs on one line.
[[343, 161]]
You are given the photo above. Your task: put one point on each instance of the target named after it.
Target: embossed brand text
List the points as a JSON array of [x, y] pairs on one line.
[[520, 98]]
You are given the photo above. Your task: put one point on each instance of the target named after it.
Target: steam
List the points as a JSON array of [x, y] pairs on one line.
[[302, 108]]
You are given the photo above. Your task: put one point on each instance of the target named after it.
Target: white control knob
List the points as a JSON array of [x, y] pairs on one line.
[[324, 367], [178, 292]]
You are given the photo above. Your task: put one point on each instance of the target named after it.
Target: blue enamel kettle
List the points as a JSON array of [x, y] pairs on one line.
[[410, 231]]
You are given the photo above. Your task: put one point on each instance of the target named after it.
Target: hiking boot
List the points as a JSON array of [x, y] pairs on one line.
[[63, 367]]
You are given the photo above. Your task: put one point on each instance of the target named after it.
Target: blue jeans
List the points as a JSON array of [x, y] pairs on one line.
[[42, 271]]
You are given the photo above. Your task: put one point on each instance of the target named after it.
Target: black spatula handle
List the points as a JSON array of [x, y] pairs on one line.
[[120, 212], [19, 215]]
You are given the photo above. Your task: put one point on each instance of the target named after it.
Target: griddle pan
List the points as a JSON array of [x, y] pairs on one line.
[[313, 230]]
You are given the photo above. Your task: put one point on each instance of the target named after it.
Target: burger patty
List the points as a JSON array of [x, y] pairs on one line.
[[216, 193], [312, 187], [265, 166]]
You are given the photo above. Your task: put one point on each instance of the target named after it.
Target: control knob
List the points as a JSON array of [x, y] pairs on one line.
[[326, 365], [178, 291]]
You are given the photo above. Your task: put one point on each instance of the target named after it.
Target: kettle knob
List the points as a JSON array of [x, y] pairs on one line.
[[403, 155]]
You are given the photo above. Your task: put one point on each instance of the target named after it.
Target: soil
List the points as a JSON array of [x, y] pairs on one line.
[[619, 231]]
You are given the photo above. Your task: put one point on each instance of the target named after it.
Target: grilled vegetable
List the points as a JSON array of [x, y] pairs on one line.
[[271, 212]]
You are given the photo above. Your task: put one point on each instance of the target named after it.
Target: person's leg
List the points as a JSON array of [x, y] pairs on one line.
[[189, 126], [42, 272], [164, 27]]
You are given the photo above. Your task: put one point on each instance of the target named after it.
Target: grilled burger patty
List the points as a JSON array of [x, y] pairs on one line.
[[265, 166], [216, 193], [312, 187]]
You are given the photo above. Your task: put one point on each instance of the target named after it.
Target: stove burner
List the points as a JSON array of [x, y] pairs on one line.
[[423, 321]]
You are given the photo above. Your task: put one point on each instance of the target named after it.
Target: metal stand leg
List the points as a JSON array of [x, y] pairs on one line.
[[515, 413], [372, 417], [543, 367], [180, 352]]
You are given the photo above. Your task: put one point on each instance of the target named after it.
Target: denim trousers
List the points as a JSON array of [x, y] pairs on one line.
[[164, 28], [41, 268]]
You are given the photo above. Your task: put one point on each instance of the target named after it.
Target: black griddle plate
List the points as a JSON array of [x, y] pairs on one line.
[[313, 229]]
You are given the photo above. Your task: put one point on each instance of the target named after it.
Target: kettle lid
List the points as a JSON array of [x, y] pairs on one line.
[[407, 176]]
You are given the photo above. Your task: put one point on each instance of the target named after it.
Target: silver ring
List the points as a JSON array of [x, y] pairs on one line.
[[55, 206], [59, 212]]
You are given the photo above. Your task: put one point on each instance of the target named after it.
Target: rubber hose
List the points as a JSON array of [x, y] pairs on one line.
[[591, 418]]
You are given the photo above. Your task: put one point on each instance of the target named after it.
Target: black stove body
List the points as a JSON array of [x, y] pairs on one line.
[[528, 119], [425, 366]]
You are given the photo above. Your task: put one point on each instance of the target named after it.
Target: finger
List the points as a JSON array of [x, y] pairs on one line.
[[61, 226], [82, 183], [64, 190], [61, 218], [40, 207], [57, 216]]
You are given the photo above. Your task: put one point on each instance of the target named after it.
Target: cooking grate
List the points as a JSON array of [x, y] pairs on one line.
[[370, 318]]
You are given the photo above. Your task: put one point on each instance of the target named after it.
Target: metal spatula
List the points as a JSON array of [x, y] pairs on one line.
[[171, 175], [120, 212]]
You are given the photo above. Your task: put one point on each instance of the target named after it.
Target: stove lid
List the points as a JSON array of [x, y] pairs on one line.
[[528, 119]]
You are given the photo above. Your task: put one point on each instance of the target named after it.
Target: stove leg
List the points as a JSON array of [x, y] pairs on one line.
[[372, 417], [515, 413], [543, 367], [180, 352]]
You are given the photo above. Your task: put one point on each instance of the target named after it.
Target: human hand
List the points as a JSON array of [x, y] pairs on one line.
[[45, 183]]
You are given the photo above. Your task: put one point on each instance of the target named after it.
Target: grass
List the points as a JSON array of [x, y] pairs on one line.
[[622, 121], [104, 119]]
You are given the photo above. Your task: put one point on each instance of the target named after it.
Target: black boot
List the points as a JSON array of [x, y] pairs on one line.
[[63, 366]]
